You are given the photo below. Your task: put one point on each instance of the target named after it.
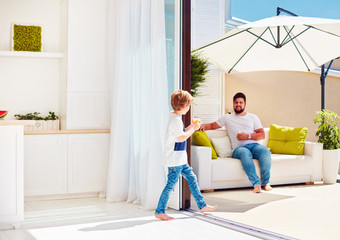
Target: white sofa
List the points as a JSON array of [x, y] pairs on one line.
[[223, 173]]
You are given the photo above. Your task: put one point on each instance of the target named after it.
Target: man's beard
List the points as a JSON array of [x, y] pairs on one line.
[[239, 111]]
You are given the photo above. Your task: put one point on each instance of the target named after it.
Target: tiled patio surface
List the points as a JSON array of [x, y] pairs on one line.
[[299, 211]]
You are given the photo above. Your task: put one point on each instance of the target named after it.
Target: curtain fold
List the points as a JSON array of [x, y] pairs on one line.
[[139, 103]]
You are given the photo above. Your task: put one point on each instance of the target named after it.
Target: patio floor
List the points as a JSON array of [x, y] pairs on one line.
[[299, 211]]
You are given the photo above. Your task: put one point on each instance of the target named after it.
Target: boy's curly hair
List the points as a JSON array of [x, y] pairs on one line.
[[180, 99]]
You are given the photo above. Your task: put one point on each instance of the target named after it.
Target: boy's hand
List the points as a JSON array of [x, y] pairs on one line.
[[197, 125]]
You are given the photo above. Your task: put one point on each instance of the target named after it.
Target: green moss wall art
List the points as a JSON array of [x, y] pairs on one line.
[[27, 38]]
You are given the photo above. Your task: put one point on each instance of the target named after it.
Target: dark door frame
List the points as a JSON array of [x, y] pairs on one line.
[[186, 84]]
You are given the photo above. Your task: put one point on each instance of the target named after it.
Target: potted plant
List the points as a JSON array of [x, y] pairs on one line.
[[328, 134], [50, 122]]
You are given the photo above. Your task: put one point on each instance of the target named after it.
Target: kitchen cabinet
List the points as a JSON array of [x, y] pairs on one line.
[[45, 164], [65, 163], [88, 156], [86, 69]]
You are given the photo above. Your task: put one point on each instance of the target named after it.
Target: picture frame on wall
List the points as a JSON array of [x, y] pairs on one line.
[[26, 37]]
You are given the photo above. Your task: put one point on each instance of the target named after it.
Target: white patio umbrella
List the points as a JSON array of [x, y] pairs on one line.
[[278, 43]]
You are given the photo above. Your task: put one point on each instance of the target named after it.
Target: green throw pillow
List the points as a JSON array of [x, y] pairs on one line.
[[287, 140], [200, 138]]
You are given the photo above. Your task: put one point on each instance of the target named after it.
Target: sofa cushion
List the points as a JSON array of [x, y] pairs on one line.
[[222, 146], [217, 133], [286, 140], [200, 138], [283, 166]]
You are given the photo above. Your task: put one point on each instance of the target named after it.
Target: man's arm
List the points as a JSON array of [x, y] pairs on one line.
[[210, 126], [258, 135]]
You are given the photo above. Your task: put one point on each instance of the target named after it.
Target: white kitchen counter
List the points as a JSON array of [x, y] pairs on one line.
[[68, 131], [4, 122]]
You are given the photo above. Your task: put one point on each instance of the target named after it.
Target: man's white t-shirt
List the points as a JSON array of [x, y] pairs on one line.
[[234, 124], [175, 152]]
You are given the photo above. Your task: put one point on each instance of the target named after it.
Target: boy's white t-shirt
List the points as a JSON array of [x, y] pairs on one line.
[[234, 124], [175, 152]]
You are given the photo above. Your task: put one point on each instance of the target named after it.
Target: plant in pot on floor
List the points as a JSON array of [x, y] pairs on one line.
[[328, 134]]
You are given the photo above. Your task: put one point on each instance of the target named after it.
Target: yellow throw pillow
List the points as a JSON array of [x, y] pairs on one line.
[[287, 140], [200, 138]]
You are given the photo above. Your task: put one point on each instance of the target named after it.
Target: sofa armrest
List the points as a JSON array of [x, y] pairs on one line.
[[201, 165], [314, 149]]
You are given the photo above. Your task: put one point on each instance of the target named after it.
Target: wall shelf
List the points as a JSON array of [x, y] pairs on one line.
[[30, 54]]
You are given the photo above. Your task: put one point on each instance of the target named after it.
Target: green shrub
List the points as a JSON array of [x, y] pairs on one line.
[[199, 68]]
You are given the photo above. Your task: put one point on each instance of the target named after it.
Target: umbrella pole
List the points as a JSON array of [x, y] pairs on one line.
[[323, 81], [279, 10]]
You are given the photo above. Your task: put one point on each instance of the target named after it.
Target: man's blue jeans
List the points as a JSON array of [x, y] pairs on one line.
[[246, 154], [173, 176]]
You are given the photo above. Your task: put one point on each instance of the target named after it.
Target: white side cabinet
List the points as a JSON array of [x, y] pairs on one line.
[[45, 164], [88, 156], [65, 163]]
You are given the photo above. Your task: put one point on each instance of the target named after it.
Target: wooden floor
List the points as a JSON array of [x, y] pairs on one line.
[[94, 218]]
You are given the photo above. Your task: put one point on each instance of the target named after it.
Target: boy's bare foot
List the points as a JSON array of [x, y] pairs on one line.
[[164, 217], [208, 208], [267, 187], [257, 189]]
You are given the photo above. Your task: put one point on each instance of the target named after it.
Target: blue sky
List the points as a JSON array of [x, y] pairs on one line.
[[253, 10]]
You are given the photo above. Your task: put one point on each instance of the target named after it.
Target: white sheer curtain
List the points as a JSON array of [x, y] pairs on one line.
[[139, 101]]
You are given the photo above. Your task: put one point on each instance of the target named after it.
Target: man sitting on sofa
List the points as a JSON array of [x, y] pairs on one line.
[[244, 130]]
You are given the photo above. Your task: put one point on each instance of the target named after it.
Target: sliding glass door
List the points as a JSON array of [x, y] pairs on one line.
[[173, 50]]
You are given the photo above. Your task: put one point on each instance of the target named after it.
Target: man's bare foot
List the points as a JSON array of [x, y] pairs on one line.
[[267, 187], [257, 189], [164, 217], [208, 208]]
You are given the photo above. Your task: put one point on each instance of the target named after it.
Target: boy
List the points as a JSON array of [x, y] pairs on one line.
[[176, 156]]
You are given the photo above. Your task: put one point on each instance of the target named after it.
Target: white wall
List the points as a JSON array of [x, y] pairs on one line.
[[284, 97], [30, 84], [44, 13]]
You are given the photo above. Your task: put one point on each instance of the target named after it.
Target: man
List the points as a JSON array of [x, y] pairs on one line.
[[244, 130]]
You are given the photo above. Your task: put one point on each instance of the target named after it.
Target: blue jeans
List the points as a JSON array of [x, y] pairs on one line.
[[246, 154], [173, 176]]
